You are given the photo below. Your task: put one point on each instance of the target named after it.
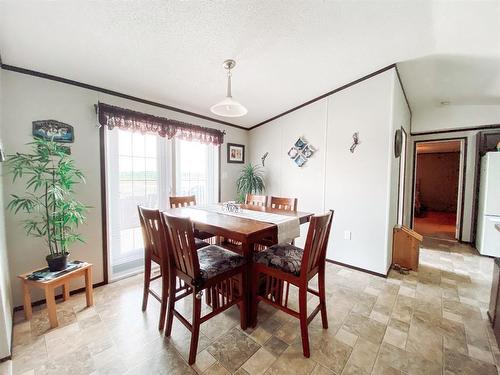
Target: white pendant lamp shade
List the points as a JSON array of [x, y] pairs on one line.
[[229, 107]]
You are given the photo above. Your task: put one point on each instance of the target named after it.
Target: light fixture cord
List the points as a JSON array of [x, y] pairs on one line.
[[229, 83]]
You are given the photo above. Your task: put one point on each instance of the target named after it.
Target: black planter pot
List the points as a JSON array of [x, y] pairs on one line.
[[58, 262]]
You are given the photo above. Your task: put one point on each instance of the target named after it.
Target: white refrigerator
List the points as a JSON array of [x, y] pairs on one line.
[[488, 235]]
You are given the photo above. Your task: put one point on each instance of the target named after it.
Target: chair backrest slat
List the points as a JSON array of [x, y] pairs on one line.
[[186, 201], [287, 204], [256, 200], [154, 237], [181, 247], [316, 242]]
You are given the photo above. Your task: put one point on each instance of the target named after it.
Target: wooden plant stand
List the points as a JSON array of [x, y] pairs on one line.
[[49, 288]]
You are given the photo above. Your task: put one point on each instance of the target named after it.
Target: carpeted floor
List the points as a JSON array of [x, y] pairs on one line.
[[436, 224]]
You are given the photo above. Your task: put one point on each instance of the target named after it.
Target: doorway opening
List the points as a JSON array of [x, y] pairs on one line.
[[439, 173]]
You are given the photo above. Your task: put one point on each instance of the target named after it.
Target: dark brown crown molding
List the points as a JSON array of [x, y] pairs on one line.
[[175, 109], [455, 130], [164, 106], [51, 77], [364, 78], [404, 92]]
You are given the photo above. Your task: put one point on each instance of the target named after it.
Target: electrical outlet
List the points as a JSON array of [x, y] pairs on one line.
[[347, 235]]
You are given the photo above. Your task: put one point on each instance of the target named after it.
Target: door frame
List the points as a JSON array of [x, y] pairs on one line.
[[461, 192], [402, 177]]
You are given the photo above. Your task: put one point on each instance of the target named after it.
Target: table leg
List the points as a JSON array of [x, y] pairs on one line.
[[27, 301], [65, 289], [51, 306], [89, 293], [248, 249]]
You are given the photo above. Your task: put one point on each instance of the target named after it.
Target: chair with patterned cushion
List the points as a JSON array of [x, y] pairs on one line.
[[155, 250], [213, 270], [256, 200], [277, 267], [188, 201]]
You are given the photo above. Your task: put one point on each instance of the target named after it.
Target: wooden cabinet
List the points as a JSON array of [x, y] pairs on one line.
[[406, 247]]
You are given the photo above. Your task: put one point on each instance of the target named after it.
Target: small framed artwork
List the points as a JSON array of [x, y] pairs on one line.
[[308, 151], [55, 130], [300, 144], [293, 152], [235, 153], [300, 160]]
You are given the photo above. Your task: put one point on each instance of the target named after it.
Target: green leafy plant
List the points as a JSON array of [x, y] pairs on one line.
[[251, 181], [53, 212]]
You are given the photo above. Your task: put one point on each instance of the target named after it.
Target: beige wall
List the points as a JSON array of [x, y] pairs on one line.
[[428, 119], [30, 98], [360, 187]]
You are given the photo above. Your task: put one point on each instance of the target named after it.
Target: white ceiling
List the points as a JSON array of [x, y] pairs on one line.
[[287, 52], [451, 80]]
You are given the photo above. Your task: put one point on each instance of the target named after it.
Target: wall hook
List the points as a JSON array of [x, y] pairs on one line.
[[263, 158], [356, 142]]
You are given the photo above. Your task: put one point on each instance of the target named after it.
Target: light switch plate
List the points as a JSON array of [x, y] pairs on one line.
[[347, 235]]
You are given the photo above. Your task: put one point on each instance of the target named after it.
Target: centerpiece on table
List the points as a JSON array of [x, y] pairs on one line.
[[53, 213], [251, 181]]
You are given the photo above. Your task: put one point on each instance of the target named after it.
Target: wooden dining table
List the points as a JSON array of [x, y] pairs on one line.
[[246, 231]]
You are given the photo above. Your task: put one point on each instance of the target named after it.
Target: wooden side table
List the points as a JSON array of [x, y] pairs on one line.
[[49, 288]]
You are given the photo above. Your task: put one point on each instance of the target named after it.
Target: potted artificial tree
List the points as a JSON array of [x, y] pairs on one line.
[[251, 181], [53, 213]]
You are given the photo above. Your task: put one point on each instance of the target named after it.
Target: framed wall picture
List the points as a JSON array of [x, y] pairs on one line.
[[52, 129], [235, 153]]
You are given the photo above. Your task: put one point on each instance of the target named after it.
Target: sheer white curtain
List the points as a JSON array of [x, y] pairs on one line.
[[197, 171], [143, 169], [138, 173]]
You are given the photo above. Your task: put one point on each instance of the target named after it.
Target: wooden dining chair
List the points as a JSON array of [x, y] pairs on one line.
[[286, 204], [279, 203], [256, 200], [187, 201], [155, 251], [213, 270], [281, 265], [184, 201]]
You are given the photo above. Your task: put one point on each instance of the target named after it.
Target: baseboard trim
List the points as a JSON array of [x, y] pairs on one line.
[[357, 268], [59, 296]]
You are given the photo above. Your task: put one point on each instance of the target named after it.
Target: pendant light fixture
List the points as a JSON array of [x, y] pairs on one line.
[[229, 107]]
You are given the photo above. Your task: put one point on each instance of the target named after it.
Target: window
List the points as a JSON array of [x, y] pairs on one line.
[[197, 171], [139, 172]]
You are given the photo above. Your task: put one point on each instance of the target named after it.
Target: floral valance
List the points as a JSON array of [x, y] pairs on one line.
[[127, 119]]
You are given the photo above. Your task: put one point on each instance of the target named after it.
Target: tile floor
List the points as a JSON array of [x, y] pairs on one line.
[[430, 322]]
